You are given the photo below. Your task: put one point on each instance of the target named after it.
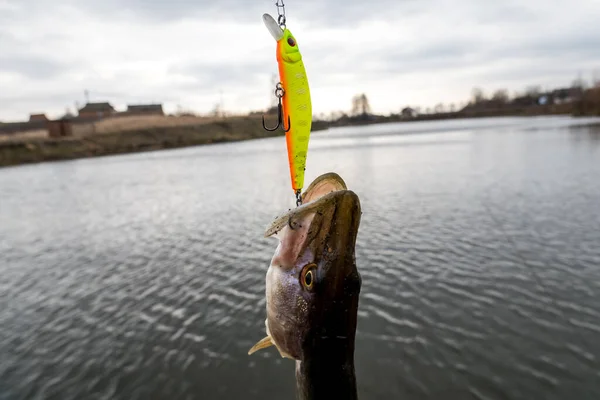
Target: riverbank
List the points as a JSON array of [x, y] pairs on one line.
[[579, 109], [120, 136], [38, 149]]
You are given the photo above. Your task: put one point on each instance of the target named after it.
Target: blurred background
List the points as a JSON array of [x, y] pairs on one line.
[[136, 181]]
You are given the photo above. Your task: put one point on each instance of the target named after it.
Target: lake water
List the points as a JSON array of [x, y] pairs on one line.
[[142, 276]]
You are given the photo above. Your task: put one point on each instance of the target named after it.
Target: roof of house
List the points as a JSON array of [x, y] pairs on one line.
[[38, 117], [97, 107], [145, 107]]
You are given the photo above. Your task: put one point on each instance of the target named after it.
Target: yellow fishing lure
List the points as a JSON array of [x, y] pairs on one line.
[[296, 107]]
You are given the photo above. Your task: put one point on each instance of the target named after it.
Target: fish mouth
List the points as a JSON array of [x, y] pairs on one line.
[[320, 195], [324, 226]]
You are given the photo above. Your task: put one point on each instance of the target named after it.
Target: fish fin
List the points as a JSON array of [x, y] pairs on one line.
[[261, 344]]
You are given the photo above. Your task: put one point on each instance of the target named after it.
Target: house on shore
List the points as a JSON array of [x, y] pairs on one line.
[[96, 110], [60, 128], [145, 109], [38, 118], [566, 95], [35, 122]]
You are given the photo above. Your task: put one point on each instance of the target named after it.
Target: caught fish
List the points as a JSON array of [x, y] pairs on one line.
[[297, 108], [312, 289]]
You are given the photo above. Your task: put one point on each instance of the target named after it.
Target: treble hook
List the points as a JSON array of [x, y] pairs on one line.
[[279, 120], [279, 92]]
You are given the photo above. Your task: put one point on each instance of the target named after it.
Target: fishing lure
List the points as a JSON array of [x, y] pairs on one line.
[[295, 108]]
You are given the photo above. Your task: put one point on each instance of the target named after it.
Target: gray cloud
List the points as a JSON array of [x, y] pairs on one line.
[[32, 67], [210, 73], [333, 12], [469, 43], [159, 10], [550, 52]]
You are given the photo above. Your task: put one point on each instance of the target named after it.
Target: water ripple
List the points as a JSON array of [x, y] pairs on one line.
[[142, 276]]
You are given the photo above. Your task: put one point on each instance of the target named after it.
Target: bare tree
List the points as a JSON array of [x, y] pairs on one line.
[[217, 111], [439, 107], [533, 90], [596, 78], [335, 115], [360, 105], [477, 95], [579, 82], [500, 95]]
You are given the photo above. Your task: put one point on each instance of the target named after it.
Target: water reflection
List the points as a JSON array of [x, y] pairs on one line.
[[589, 134]]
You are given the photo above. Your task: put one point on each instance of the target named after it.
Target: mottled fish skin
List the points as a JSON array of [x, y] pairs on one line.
[[313, 269]]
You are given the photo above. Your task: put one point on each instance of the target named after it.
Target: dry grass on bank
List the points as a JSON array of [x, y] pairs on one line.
[[135, 123], [24, 136]]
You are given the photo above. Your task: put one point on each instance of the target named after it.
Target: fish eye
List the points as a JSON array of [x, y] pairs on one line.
[[291, 41], [307, 276]]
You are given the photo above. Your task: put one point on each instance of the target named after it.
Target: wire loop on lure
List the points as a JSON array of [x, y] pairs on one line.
[[298, 198], [279, 92], [281, 12]]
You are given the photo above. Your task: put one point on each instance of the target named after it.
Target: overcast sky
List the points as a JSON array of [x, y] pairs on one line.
[[192, 53]]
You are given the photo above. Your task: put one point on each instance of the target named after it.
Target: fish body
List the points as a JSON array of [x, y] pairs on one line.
[[297, 106], [312, 289]]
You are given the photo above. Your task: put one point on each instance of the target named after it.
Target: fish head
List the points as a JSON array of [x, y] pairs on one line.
[[312, 284], [287, 47]]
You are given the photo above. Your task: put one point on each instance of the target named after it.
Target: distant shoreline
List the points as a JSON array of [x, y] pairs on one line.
[[532, 111], [37, 150], [231, 129]]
